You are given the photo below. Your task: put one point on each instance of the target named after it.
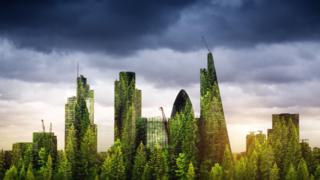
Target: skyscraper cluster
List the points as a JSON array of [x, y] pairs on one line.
[[172, 143]]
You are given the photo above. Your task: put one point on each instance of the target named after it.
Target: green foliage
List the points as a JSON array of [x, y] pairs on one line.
[[22, 173], [265, 160], [114, 166], [157, 166], [2, 164], [11, 174], [183, 135], [251, 169], [190, 173], [30, 175], [140, 161], [216, 172], [42, 157], [64, 170], [89, 153], [285, 144], [47, 169], [317, 173], [291, 174], [182, 168], [240, 169], [274, 173], [302, 171], [70, 148], [228, 164]]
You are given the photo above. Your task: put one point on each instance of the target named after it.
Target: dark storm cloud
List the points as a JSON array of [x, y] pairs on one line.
[[246, 22], [113, 25], [119, 27]]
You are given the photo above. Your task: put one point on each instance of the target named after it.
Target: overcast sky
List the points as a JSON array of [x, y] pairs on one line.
[[266, 54]]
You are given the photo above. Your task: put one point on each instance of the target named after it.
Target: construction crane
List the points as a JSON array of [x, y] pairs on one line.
[[165, 123], [43, 127]]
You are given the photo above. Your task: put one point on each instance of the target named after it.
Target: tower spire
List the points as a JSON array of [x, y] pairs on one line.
[[205, 43]]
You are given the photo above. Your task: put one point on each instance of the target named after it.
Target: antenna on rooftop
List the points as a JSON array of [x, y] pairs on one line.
[[205, 43]]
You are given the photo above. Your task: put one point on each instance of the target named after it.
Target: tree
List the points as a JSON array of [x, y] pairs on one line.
[[265, 160], [227, 164], [2, 163], [216, 172], [302, 172], [11, 174], [89, 153], [251, 169], [317, 173], [190, 173], [181, 171], [240, 169], [114, 165], [157, 165], [22, 173], [70, 148], [140, 161], [274, 172], [291, 174], [47, 172], [64, 167], [30, 175]]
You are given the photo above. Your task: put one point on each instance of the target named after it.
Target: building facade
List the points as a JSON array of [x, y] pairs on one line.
[[213, 130]]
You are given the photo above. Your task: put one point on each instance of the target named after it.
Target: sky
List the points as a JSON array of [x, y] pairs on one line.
[[266, 55]]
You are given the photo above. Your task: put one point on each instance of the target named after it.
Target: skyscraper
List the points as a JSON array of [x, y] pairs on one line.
[[80, 123], [213, 130], [127, 109]]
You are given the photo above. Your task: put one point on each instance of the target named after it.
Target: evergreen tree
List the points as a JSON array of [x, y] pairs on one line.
[[216, 172], [70, 149], [89, 153], [114, 166], [251, 169], [157, 164], [47, 172], [240, 169], [182, 168], [11, 174], [291, 174], [265, 160], [227, 164], [2, 164], [274, 173], [22, 173], [317, 173], [30, 175], [139, 162], [190, 173], [64, 167], [302, 171]]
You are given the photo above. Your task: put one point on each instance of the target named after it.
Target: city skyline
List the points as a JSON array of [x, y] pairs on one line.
[[267, 58], [197, 115]]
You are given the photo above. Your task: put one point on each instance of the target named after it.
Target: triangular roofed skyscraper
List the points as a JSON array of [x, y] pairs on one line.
[[213, 130]]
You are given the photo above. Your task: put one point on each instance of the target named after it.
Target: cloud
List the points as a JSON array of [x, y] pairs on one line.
[[124, 27], [114, 26]]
